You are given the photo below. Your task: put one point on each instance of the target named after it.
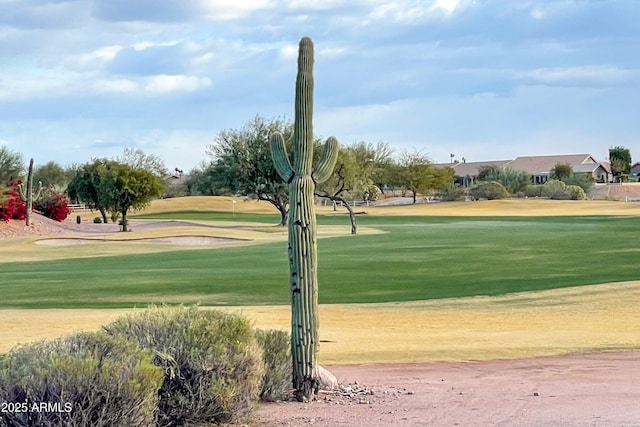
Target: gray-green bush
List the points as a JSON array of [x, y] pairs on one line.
[[277, 380], [211, 360], [488, 190], [554, 189], [533, 190], [558, 190], [512, 180], [87, 379], [452, 193], [575, 192], [582, 180]]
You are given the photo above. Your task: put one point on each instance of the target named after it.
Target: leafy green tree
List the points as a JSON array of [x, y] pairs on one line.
[[85, 186], [346, 179], [201, 181], [52, 175], [354, 175], [375, 162], [561, 171], [138, 159], [620, 159], [242, 164], [123, 187], [417, 174], [11, 165]]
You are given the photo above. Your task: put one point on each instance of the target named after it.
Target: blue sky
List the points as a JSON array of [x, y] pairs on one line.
[[483, 79]]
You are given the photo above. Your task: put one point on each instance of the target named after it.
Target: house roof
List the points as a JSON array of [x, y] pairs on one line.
[[472, 168], [587, 168], [537, 165]]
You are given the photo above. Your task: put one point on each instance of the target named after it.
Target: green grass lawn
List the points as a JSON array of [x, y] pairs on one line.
[[417, 258]]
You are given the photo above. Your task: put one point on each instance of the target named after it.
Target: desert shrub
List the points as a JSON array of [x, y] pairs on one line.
[[582, 180], [452, 193], [277, 379], [512, 180], [12, 206], [555, 189], [97, 220], [575, 192], [371, 193], [488, 190], [533, 190], [53, 205], [211, 360], [87, 379]]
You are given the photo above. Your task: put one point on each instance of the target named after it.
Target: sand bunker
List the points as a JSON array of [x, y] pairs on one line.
[[173, 240]]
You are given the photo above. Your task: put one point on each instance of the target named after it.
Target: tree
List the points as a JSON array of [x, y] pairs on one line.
[[418, 175], [354, 175], [560, 171], [52, 175], [620, 159], [202, 180], [138, 159], [11, 165], [85, 186], [123, 187], [343, 180], [242, 163]]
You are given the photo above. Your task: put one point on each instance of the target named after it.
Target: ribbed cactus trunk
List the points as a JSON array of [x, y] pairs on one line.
[[27, 195], [302, 178]]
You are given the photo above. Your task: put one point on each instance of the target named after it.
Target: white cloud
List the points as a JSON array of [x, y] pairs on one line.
[[31, 85], [228, 10], [537, 13], [448, 6], [179, 83], [289, 51], [596, 73], [116, 85]]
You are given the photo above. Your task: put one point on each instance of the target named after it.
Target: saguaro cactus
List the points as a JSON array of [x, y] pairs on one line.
[[27, 195], [302, 178]]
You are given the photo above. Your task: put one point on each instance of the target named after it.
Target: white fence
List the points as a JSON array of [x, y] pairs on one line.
[[77, 207]]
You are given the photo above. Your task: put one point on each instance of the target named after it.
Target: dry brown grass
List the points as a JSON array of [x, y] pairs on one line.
[[582, 319]]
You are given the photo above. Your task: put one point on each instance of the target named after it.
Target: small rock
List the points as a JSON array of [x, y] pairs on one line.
[[328, 381]]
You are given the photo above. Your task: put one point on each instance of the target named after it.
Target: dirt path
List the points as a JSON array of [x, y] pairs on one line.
[[577, 390]]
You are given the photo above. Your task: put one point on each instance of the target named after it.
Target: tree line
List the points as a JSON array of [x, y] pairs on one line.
[[239, 164], [110, 186]]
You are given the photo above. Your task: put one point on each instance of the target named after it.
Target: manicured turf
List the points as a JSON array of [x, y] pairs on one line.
[[417, 258]]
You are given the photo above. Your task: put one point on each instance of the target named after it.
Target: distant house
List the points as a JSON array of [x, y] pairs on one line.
[[466, 173], [634, 174], [539, 167]]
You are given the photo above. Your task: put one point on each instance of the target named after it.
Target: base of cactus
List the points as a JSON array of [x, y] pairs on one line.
[[307, 390]]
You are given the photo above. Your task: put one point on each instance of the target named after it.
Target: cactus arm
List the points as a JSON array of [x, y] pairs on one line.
[[36, 197], [280, 159], [23, 194], [324, 168]]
